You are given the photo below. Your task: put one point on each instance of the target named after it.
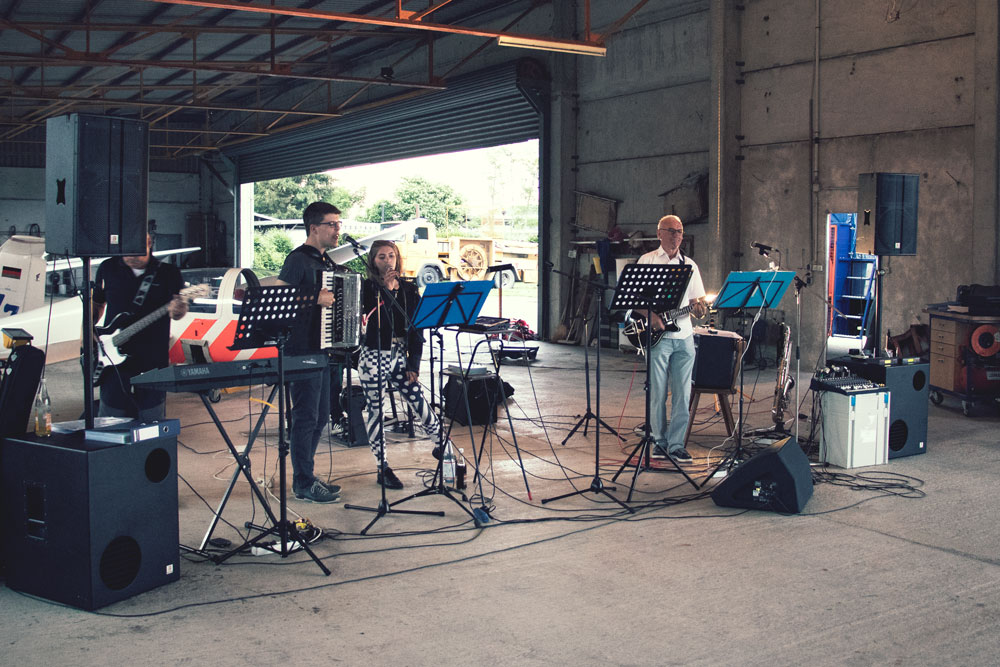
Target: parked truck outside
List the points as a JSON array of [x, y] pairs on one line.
[[429, 259]]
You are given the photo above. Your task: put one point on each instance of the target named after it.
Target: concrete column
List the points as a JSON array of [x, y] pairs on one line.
[[986, 220], [724, 168], [560, 143]]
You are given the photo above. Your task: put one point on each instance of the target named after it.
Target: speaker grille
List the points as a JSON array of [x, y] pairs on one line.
[[120, 562], [919, 380], [157, 465], [898, 434]]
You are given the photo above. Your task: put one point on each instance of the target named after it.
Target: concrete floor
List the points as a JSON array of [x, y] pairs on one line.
[[861, 577]]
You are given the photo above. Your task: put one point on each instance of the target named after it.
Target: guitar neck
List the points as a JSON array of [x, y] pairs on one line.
[[126, 334], [674, 314]]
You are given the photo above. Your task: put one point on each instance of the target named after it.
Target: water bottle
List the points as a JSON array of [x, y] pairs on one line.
[[43, 411], [460, 470], [448, 465]]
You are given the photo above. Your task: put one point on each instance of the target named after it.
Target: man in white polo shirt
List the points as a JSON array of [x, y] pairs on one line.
[[672, 356]]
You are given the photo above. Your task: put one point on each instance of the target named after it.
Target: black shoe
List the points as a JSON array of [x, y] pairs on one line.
[[659, 452], [332, 488], [681, 456], [317, 493], [388, 479]]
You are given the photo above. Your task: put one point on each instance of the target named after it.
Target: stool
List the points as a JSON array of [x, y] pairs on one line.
[[722, 396]]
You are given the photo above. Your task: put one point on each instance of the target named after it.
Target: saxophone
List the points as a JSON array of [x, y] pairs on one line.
[[785, 381]]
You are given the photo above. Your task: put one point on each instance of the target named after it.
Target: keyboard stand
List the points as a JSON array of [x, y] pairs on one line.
[[242, 467]]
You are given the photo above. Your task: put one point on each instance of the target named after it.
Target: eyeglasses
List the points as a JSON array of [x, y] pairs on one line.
[[327, 224], [675, 232]]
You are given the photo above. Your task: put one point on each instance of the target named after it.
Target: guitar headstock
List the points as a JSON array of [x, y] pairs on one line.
[[196, 292]]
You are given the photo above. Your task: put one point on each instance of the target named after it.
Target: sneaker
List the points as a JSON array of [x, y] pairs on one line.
[[332, 488], [388, 479], [317, 493], [659, 452], [681, 455]]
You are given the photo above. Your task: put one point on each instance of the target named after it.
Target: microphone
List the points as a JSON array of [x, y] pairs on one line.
[[761, 248], [347, 237]]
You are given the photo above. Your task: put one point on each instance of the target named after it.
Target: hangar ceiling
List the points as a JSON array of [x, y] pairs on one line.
[[210, 74]]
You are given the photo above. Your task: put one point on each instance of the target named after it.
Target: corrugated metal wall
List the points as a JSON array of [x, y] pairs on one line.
[[491, 107]]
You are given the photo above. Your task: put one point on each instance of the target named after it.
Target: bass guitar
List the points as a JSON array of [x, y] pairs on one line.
[[635, 327], [112, 337]]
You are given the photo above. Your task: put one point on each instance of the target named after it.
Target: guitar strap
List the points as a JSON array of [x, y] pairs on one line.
[[143, 290]]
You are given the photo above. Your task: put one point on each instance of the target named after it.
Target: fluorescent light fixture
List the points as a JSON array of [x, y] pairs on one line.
[[579, 48]]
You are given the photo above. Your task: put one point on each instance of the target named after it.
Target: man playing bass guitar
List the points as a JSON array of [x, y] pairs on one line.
[[139, 285], [672, 356]]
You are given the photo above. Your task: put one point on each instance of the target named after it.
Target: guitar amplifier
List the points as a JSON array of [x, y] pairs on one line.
[[716, 357]]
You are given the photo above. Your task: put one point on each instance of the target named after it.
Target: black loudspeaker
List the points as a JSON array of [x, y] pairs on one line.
[[484, 396], [715, 360], [777, 479], [887, 214], [90, 523], [907, 381], [352, 401], [96, 183], [18, 386]]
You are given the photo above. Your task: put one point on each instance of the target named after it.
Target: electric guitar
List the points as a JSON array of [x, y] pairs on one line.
[[109, 343], [635, 328]]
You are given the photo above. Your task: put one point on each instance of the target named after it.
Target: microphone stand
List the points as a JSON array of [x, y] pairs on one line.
[[596, 484], [383, 505]]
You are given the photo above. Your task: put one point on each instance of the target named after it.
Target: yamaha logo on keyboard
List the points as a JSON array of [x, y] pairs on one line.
[[193, 371]]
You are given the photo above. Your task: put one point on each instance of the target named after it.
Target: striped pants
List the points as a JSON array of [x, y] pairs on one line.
[[393, 366]]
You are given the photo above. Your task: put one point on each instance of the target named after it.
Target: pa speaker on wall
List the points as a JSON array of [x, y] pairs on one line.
[[89, 523], [96, 185], [887, 214], [777, 479], [907, 381]]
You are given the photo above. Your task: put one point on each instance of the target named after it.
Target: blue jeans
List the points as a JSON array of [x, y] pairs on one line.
[[671, 363], [310, 413]]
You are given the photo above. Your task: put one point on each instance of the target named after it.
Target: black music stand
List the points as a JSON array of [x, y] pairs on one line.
[[267, 316], [659, 288], [742, 290], [596, 484], [446, 304]]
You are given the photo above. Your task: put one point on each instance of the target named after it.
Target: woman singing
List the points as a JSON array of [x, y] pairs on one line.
[[388, 343]]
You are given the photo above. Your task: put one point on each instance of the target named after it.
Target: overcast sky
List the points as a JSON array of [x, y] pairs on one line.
[[466, 171]]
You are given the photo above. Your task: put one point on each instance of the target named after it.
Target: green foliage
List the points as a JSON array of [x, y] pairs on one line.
[[270, 250], [287, 198], [437, 202], [357, 264]]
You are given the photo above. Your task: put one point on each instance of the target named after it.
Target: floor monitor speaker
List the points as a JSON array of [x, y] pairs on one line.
[[96, 185], [907, 381], [89, 523], [777, 479]]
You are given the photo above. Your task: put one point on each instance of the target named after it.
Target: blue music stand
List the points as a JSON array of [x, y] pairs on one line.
[[443, 304], [753, 289], [742, 290]]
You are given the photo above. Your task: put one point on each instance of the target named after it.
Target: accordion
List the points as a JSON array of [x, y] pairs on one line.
[[340, 324]]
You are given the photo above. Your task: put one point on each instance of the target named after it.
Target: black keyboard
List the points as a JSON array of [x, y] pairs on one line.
[[486, 325], [221, 374]]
